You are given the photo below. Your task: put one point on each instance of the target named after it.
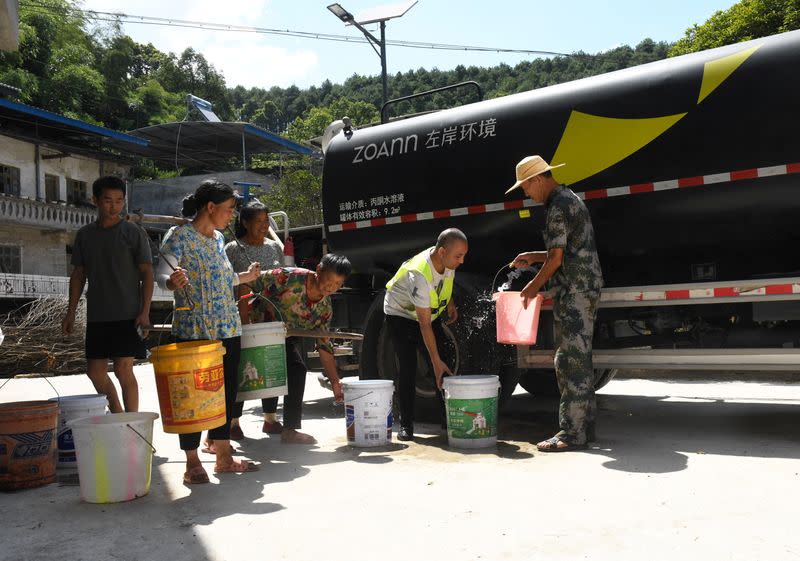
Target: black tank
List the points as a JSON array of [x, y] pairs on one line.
[[690, 168]]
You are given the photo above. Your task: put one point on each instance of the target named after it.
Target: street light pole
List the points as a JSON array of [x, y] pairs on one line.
[[378, 15], [384, 78]]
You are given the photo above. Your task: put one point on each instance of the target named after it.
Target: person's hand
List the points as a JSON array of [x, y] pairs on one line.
[[439, 370], [143, 321], [177, 279], [452, 314], [528, 293], [68, 323], [522, 261], [253, 271], [338, 392]]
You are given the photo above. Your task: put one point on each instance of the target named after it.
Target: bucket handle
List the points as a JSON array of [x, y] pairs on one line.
[[41, 376], [150, 444], [359, 397]]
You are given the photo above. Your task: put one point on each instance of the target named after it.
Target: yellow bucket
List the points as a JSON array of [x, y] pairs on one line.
[[191, 385]]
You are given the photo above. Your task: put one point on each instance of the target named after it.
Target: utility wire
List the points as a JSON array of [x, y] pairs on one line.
[[119, 17]]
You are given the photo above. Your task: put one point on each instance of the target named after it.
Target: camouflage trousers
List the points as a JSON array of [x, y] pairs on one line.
[[574, 314]]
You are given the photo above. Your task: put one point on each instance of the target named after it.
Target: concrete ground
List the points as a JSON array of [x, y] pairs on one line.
[[683, 468]]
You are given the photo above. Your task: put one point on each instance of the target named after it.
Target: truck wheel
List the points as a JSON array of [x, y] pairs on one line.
[[541, 382], [372, 328], [449, 349], [603, 376]]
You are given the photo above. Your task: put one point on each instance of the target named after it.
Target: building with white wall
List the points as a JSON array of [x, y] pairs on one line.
[[47, 165]]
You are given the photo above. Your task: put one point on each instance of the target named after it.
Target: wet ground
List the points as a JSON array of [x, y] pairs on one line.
[[684, 467]]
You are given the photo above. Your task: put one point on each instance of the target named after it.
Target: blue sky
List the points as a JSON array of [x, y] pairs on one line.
[[268, 60]]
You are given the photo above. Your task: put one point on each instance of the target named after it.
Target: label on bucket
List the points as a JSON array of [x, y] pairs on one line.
[[369, 422], [262, 368], [472, 418], [209, 379]]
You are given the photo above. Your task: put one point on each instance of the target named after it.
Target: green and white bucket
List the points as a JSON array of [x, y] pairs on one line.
[[471, 403], [262, 365]]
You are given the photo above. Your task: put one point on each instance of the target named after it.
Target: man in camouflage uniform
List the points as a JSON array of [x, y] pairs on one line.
[[571, 265]]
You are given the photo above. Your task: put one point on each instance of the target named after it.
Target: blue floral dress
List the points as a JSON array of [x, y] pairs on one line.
[[211, 276]]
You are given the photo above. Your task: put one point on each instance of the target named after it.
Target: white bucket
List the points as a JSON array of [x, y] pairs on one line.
[[74, 407], [115, 456], [368, 412], [471, 403], [262, 364]]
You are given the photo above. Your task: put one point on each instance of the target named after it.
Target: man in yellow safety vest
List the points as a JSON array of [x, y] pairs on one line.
[[415, 297]]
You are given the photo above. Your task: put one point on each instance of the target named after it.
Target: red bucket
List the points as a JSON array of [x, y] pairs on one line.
[[516, 325]]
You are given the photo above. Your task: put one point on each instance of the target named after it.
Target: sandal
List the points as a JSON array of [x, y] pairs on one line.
[[236, 433], [274, 427], [557, 444], [195, 476], [209, 448], [236, 467], [291, 436]]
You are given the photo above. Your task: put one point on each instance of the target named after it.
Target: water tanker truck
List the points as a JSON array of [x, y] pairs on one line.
[[690, 168]]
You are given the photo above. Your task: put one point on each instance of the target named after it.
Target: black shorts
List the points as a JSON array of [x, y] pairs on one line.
[[113, 339]]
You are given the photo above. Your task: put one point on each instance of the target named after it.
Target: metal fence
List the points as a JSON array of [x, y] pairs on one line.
[[40, 286]]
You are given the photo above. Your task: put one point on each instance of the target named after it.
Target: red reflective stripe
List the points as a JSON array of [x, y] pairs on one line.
[[642, 188], [408, 218], [779, 289], [349, 226], [441, 214], [510, 205], [377, 221], [744, 174], [596, 194], [677, 294], [690, 181], [793, 168], [725, 292], [547, 302], [477, 209]]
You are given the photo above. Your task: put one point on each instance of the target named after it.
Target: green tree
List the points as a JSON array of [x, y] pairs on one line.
[[298, 194], [748, 19]]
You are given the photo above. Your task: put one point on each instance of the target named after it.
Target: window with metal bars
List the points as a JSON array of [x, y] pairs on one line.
[[10, 259], [76, 192], [9, 180], [51, 187]]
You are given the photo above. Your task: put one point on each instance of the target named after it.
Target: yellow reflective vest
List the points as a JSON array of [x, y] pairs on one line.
[[420, 264]]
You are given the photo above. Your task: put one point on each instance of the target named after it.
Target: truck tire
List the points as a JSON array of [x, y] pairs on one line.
[[542, 382], [372, 328], [450, 351]]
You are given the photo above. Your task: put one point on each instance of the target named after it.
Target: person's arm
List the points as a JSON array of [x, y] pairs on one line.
[[528, 258], [452, 311], [77, 280], [146, 279], [329, 368], [242, 304], [555, 257], [555, 235], [426, 327], [250, 275]]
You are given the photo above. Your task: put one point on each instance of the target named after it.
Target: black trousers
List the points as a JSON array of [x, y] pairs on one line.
[[230, 365], [406, 338], [295, 380]]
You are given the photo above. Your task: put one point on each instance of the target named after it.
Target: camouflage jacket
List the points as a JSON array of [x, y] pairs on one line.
[[568, 226]]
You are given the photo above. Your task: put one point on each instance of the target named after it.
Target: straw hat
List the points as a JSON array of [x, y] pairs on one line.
[[531, 166]]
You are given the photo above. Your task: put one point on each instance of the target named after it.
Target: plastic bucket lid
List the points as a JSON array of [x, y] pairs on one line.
[[186, 348], [112, 420], [368, 384], [81, 401], [471, 380], [271, 327]]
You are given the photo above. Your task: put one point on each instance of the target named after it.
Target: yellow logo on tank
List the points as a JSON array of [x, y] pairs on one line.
[[593, 143]]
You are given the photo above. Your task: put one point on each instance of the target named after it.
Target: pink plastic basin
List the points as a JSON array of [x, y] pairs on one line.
[[515, 324]]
